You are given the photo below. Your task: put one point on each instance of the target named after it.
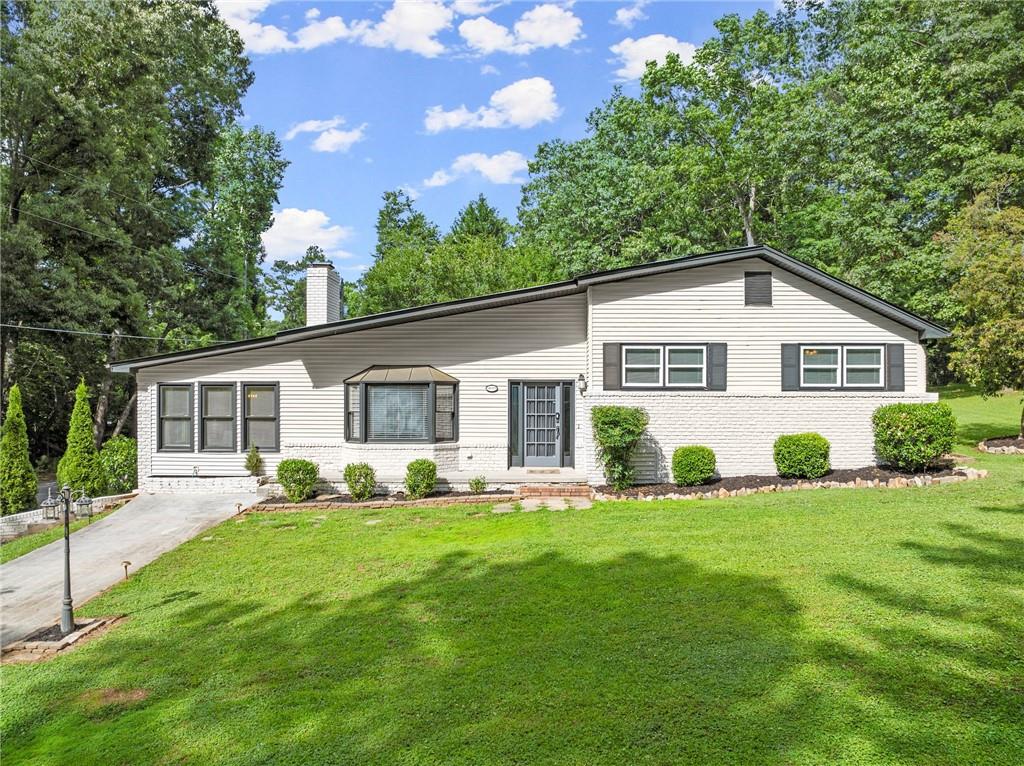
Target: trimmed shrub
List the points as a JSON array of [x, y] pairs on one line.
[[18, 483], [617, 431], [911, 437], [802, 456], [119, 458], [692, 465], [478, 485], [297, 478], [254, 461], [361, 480], [420, 478], [80, 467]]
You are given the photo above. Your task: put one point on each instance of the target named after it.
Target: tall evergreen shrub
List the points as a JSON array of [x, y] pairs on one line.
[[18, 483], [80, 468], [617, 431]]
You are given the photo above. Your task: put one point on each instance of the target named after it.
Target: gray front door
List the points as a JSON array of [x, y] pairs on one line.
[[542, 424]]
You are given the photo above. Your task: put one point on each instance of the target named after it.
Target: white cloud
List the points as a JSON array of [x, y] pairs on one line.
[[633, 55], [313, 126], [294, 230], [543, 26], [334, 140], [522, 104], [406, 26], [475, 7], [500, 168], [629, 15], [488, 69]]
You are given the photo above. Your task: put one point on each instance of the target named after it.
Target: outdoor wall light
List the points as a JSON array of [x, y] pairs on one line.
[[582, 383]]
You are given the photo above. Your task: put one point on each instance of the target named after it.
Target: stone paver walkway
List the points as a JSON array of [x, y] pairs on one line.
[[543, 503]]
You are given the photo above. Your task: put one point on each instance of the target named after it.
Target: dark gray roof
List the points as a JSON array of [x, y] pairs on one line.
[[389, 373], [925, 328]]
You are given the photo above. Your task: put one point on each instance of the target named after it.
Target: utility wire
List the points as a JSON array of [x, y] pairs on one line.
[[66, 331], [118, 242]]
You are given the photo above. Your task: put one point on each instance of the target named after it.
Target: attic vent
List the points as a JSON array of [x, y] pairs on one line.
[[757, 288]]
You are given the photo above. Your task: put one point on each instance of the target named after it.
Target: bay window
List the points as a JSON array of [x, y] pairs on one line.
[[401, 405]]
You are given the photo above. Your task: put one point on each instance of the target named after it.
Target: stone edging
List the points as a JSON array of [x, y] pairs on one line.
[[1009, 449], [426, 502], [924, 480]]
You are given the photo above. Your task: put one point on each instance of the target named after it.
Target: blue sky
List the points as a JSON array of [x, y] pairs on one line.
[[446, 100]]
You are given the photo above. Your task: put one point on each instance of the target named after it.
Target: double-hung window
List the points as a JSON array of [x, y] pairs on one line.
[[261, 414], [642, 366], [174, 417], [217, 417], [686, 366], [842, 366]]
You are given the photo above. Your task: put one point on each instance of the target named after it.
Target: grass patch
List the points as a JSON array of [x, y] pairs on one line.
[[22, 545], [834, 626]]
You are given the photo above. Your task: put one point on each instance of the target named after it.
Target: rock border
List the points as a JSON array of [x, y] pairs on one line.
[[1009, 449], [31, 650], [898, 482]]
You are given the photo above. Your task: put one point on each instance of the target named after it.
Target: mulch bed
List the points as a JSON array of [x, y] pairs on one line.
[[754, 481], [1006, 441], [395, 497]]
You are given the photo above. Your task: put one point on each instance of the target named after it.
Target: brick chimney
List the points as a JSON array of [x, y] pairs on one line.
[[323, 294]]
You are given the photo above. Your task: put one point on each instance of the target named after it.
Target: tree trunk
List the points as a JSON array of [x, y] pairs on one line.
[[99, 421], [124, 415], [1022, 423]]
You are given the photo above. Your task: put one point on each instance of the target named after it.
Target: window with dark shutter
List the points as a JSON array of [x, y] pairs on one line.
[[757, 288]]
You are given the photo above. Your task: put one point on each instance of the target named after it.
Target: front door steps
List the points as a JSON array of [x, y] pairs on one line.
[[555, 490]]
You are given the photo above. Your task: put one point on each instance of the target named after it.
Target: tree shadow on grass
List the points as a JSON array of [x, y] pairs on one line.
[[550, 660]]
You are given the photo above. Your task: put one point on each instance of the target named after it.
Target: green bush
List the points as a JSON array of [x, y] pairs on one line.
[[297, 478], [911, 437], [119, 458], [420, 478], [692, 465], [802, 456], [478, 485], [18, 483], [617, 431], [254, 461], [80, 467], [361, 480]]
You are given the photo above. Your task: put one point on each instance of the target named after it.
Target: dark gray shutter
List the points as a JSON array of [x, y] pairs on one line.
[[515, 426], [717, 366], [894, 367], [612, 366], [790, 367], [757, 288]]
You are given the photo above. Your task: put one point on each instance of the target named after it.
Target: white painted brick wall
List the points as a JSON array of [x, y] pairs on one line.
[[214, 485], [742, 429]]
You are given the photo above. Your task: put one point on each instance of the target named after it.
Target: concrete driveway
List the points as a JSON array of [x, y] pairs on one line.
[[31, 587]]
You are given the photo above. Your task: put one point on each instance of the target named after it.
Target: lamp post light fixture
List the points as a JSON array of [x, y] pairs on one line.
[[83, 507]]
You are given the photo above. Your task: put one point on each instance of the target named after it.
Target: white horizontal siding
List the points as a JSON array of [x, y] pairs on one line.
[[540, 340], [706, 305]]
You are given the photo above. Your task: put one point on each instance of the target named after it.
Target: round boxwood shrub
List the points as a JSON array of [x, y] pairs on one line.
[[420, 478], [617, 431], [692, 465], [119, 458], [297, 478], [361, 480], [911, 437], [802, 456]]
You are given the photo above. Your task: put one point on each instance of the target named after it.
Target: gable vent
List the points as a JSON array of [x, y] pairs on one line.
[[757, 288]]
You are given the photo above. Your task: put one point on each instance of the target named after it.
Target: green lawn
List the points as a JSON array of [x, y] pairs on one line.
[[22, 545], [825, 627]]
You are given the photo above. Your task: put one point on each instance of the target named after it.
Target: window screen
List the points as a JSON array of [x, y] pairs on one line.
[[641, 365], [398, 413], [217, 412], [819, 365], [261, 416], [864, 366], [444, 413], [175, 416]]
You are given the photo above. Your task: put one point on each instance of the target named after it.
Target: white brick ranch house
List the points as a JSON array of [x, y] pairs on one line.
[[727, 349]]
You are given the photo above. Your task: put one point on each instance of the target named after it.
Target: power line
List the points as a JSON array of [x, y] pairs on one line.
[[67, 331], [118, 242]]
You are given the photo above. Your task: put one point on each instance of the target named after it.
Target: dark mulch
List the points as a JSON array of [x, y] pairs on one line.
[[347, 498], [53, 633], [754, 481], [1006, 441]]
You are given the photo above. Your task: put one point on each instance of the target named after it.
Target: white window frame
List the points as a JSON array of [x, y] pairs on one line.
[[840, 357], [627, 367], [703, 366], [880, 366]]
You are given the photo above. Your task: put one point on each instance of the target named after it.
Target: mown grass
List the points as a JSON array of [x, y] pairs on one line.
[[22, 545], [838, 626]]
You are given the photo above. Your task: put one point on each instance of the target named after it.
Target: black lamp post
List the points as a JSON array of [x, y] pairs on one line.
[[83, 507]]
